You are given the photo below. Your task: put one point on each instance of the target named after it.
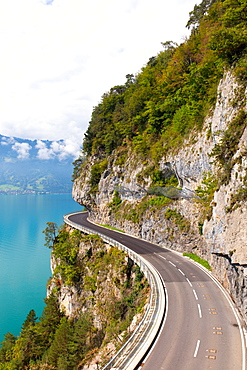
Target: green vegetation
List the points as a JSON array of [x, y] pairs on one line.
[[237, 198], [198, 259], [110, 287], [77, 167], [116, 201], [96, 172], [135, 213], [206, 193], [9, 188], [159, 179], [225, 150], [53, 342], [162, 105], [166, 102], [113, 228], [50, 234], [178, 219]]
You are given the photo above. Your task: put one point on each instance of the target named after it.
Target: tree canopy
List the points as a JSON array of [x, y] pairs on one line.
[[170, 97]]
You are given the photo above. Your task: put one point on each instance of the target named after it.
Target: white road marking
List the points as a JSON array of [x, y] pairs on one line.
[[173, 264], [164, 258], [189, 281], [200, 311], [197, 347], [195, 294], [181, 272]]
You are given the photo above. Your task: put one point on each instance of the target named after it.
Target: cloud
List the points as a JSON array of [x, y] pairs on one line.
[[9, 160], [22, 149], [60, 149], [59, 57], [7, 140], [43, 151]]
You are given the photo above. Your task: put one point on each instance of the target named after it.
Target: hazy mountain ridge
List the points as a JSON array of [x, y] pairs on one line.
[[34, 166]]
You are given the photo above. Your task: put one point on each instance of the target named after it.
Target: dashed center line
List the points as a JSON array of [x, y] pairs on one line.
[[195, 294], [197, 347], [196, 297], [164, 258], [189, 281], [199, 310], [173, 264]]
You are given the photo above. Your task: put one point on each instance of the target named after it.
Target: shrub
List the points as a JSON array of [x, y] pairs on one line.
[[96, 171], [198, 259], [178, 219]]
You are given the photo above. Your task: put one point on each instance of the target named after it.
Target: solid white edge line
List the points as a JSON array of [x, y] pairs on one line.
[[200, 311], [195, 294], [197, 347]]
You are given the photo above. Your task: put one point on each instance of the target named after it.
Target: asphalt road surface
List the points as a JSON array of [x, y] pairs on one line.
[[201, 330]]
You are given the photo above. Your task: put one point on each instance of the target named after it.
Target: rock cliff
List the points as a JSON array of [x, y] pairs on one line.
[[92, 278], [207, 215]]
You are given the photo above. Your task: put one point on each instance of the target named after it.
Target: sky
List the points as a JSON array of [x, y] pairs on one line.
[[58, 57]]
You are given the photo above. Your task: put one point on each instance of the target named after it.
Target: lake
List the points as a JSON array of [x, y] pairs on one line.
[[24, 260]]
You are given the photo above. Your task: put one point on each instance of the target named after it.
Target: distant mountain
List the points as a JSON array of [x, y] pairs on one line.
[[34, 166]]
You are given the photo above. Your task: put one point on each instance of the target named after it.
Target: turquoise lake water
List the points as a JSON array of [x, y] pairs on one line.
[[24, 260]]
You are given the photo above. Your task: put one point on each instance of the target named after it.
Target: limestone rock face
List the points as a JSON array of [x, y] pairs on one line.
[[221, 237]]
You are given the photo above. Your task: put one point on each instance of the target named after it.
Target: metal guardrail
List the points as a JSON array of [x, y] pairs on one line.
[[136, 347]]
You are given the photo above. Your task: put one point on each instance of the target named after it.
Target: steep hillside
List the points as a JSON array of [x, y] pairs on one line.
[[165, 154], [96, 298]]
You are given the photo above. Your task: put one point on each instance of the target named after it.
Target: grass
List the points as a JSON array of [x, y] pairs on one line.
[[112, 228], [198, 259]]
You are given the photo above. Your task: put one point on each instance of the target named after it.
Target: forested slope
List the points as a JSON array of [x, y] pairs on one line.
[[156, 109], [165, 154]]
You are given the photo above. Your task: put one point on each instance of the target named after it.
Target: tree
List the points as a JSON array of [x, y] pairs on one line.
[[198, 13], [30, 320], [7, 347], [59, 352], [27, 346], [77, 167], [49, 321], [50, 234]]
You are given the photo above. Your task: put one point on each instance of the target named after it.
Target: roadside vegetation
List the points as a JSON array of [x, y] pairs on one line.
[[198, 259], [112, 228], [112, 291]]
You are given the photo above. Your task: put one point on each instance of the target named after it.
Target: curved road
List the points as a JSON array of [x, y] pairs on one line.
[[201, 330]]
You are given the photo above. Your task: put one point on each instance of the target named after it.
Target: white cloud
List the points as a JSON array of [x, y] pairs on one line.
[[60, 149], [7, 140], [22, 150], [9, 160], [59, 57], [43, 151]]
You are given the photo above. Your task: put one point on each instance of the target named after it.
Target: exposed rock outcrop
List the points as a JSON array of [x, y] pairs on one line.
[[216, 231]]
